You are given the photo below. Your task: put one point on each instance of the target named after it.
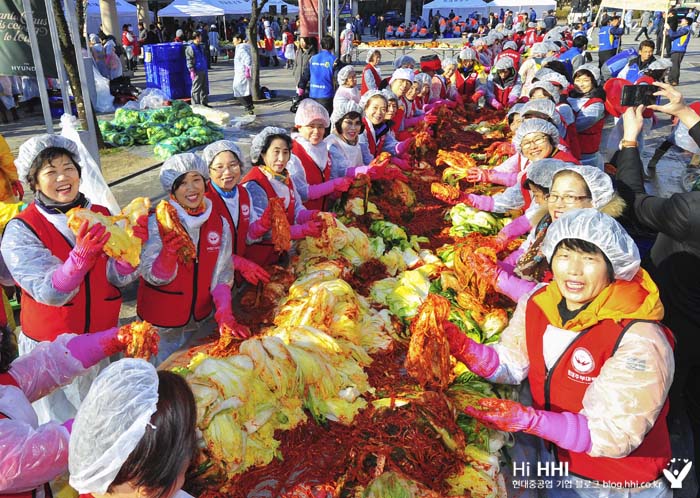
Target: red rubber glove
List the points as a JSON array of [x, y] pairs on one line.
[[342, 184], [252, 272], [166, 263], [503, 414], [378, 163], [477, 175], [496, 104], [90, 242], [309, 229], [221, 295], [401, 163], [18, 189], [260, 226], [431, 119], [480, 359], [477, 95], [141, 228]]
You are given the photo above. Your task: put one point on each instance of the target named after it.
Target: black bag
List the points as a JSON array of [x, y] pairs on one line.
[[295, 103]]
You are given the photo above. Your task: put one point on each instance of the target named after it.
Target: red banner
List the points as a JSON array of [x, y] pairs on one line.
[[308, 17]]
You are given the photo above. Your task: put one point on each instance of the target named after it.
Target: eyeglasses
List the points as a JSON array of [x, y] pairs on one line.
[[567, 199], [229, 167], [352, 124], [533, 143]]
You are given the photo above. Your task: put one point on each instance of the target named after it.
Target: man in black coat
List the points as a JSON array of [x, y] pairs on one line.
[[381, 27], [674, 260]]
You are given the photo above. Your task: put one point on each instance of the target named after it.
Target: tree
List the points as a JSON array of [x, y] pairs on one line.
[[71, 63], [256, 6]]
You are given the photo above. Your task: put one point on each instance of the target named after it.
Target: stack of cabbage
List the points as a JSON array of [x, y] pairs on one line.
[[170, 129]]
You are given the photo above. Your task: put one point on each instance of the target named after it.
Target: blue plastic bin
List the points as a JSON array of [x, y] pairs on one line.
[[166, 69]]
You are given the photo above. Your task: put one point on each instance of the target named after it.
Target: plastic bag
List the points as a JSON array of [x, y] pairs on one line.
[[92, 183], [221, 118], [152, 98], [132, 105], [104, 101]]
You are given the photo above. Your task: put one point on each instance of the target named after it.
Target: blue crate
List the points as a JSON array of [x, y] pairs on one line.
[[176, 85], [166, 69]]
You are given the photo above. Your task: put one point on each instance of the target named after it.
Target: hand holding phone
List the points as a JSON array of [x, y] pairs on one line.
[[636, 95]]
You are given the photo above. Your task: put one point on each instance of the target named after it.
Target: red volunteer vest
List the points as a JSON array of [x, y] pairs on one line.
[[375, 148], [589, 139], [572, 140], [562, 389], [466, 86], [96, 305], [188, 295], [313, 173], [219, 206], [512, 54], [8, 380], [375, 75], [502, 94], [263, 253]]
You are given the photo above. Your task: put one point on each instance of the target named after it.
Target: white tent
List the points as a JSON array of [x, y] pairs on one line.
[[126, 13], [460, 7], [192, 8], [516, 6], [279, 4]]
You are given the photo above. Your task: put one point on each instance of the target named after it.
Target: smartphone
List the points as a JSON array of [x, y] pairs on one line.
[[636, 95]]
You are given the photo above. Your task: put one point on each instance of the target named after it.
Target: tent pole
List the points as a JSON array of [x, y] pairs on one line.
[[663, 40], [60, 67], [38, 67]]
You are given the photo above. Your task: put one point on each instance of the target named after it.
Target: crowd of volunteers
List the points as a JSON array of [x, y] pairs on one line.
[[603, 334]]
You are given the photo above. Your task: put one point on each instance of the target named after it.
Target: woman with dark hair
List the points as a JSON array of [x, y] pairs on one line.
[[598, 362], [308, 47], [176, 293], [68, 283], [270, 152], [32, 453], [587, 99], [242, 73], [134, 435], [130, 44]]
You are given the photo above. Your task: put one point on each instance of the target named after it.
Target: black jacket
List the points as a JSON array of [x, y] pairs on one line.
[[674, 262]]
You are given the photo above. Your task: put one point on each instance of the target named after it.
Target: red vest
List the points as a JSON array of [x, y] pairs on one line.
[[502, 94], [572, 138], [589, 139], [263, 253], [562, 389], [188, 295], [558, 154], [466, 86], [8, 380], [219, 206], [375, 148], [313, 173], [443, 86], [512, 54], [375, 76], [96, 305]]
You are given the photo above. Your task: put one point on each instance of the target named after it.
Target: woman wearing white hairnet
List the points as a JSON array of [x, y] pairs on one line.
[[377, 134], [549, 92], [347, 87], [569, 187], [68, 283], [270, 153], [310, 165], [347, 36], [232, 201], [532, 64], [134, 435], [371, 74], [598, 362], [470, 76], [503, 85], [587, 99], [33, 453], [178, 295]]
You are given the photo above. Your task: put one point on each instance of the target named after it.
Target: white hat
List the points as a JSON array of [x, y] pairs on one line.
[[181, 164]]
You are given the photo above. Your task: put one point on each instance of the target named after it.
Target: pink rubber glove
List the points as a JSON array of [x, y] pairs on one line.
[[477, 175], [123, 268], [90, 349], [193, 74], [383, 173], [141, 228], [260, 226], [480, 359], [401, 163], [512, 99], [307, 215], [477, 95], [88, 247], [496, 104], [355, 171], [567, 430], [512, 286], [403, 147], [480, 202], [252, 272], [447, 103], [429, 108], [68, 424], [309, 229], [341, 184], [166, 263], [221, 295], [300, 92], [246, 72], [519, 226], [503, 178]]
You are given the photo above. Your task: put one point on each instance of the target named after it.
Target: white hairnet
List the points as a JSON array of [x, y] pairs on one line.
[[404, 60], [343, 109], [503, 63], [541, 73], [591, 68], [554, 77], [215, 148], [422, 78], [551, 46], [510, 45], [402, 73], [598, 181], [364, 100], [94, 38], [600, 229], [548, 59], [370, 54], [467, 54], [447, 62], [266, 24], [538, 50], [258, 142], [344, 74], [515, 109], [535, 125], [548, 87], [348, 26], [309, 111], [179, 164], [541, 172], [389, 95], [539, 108], [531, 25], [110, 423], [479, 42], [30, 149], [179, 33]]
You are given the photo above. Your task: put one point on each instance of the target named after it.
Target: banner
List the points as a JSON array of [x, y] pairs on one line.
[[15, 51], [308, 17], [661, 5]]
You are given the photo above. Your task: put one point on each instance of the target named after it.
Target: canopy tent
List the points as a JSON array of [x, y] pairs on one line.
[[209, 8], [460, 7], [662, 5], [126, 13], [278, 6], [516, 6]]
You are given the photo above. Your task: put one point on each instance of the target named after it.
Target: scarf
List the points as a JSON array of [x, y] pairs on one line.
[[280, 177], [532, 265], [226, 195], [51, 206], [199, 210]]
